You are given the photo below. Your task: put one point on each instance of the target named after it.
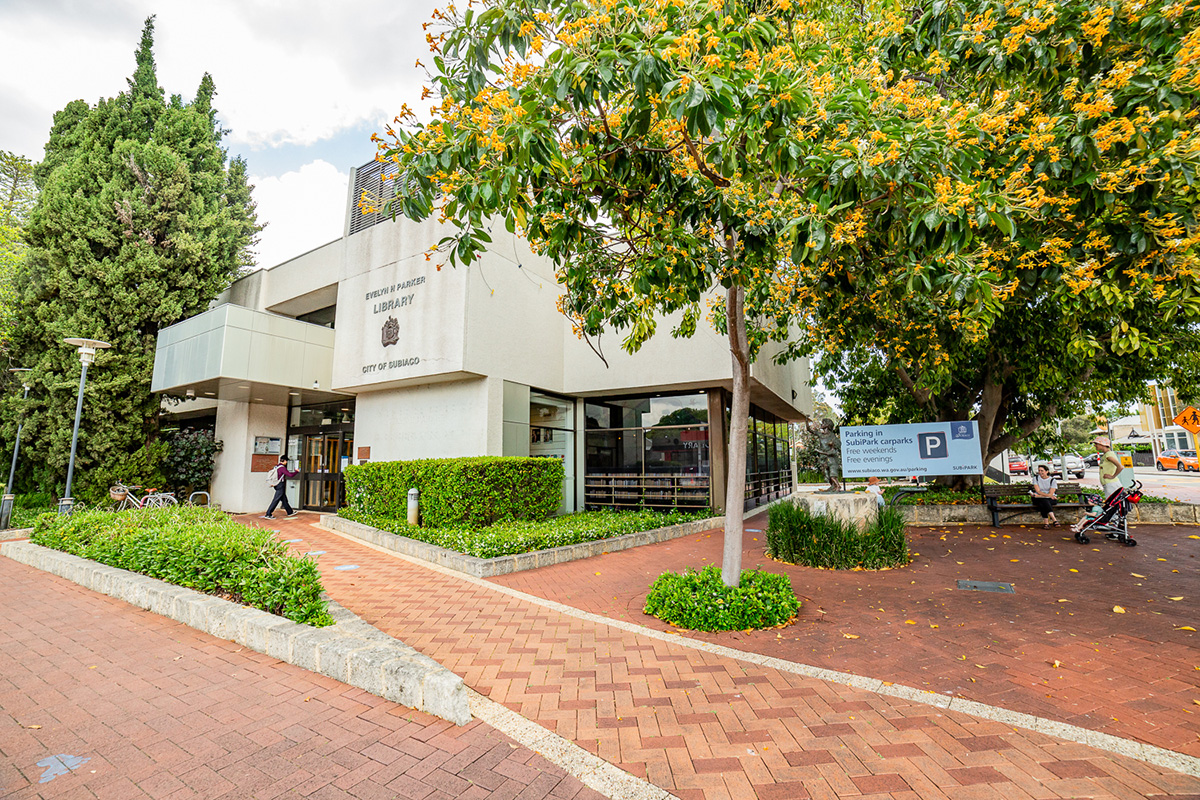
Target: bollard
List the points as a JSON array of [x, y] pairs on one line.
[[6, 507], [414, 503]]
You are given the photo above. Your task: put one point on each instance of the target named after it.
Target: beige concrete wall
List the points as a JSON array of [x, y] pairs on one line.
[[437, 420], [665, 363], [234, 487], [513, 328]]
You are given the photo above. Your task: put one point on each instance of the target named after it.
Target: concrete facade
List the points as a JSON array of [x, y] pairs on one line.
[[439, 362]]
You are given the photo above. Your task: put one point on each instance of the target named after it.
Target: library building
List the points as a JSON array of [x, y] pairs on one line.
[[365, 350]]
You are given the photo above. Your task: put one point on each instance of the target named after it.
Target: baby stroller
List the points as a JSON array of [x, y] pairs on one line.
[[1110, 515]]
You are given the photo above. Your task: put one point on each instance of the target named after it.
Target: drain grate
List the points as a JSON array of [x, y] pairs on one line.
[[987, 586]]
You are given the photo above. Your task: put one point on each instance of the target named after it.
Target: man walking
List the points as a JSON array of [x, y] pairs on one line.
[[277, 478]]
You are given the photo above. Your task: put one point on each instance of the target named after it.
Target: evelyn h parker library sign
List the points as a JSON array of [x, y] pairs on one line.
[[927, 448]]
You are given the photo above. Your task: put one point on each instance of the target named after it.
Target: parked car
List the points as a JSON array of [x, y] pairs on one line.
[[1091, 459], [1075, 465], [1017, 465], [1178, 459]]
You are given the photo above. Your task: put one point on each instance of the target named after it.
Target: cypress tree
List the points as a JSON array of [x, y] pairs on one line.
[[142, 219]]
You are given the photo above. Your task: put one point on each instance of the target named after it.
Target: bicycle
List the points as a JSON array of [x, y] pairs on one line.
[[125, 498]]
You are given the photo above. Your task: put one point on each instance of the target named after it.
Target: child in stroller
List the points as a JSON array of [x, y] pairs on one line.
[[1100, 517]]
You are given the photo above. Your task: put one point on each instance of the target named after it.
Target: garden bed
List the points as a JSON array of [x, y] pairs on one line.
[[196, 548], [514, 547]]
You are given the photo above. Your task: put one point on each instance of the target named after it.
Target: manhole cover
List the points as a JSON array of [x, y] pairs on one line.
[[987, 586]]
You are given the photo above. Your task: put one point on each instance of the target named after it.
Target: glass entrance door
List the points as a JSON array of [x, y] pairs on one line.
[[322, 458]]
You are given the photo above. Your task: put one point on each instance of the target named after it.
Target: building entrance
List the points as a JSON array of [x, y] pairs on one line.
[[321, 484], [321, 439]]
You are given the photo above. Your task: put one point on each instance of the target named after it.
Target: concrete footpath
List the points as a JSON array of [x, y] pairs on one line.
[[711, 724], [99, 699], [942, 693]]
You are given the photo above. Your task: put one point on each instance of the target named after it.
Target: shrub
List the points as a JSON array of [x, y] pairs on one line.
[[199, 548], [522, 536], [473, 491], [191, 459], [701, 601], [797, 536]]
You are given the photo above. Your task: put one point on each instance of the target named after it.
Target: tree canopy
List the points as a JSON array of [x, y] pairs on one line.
[[979, 209], [17, 194], [1053, 265], [140, 222]]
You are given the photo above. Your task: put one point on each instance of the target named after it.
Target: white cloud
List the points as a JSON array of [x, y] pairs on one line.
[[286, 73], [305, 209], [289, 75]]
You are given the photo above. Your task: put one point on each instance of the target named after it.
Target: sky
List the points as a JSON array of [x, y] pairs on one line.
[[301, 86]]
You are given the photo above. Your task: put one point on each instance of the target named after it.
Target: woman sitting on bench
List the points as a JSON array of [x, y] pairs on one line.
[[1045, 495]]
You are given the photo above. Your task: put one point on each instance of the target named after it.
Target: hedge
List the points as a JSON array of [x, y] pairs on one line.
[[458, 491], [198, 548]]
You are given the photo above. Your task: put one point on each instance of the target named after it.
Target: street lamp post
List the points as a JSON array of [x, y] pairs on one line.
[[6, 502], [87, 354]]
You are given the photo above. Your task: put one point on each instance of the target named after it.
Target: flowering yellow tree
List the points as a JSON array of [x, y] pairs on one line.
[[843, 175], [1055, 264]]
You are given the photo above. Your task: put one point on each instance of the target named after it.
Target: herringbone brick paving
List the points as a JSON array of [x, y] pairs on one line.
[[1134, 674], [160, 710], [701, 725]]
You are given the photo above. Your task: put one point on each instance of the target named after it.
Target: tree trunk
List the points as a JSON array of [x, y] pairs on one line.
[[735, 482]]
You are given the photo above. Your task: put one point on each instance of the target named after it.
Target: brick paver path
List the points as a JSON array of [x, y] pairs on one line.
[[701, 725], [1134, 675], [99, 699]]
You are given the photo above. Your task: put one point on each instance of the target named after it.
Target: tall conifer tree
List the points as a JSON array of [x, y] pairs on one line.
[[141, 221]]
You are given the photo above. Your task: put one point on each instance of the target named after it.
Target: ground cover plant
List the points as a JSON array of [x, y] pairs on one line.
[[27, 508], [701, 601], [198, 548], [511, 537], [797, 536]]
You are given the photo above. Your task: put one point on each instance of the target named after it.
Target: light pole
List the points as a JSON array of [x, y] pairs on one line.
[[6, 502], [87, 354]]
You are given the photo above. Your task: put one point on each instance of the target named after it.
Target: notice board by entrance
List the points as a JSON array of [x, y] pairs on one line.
[[924, 448]]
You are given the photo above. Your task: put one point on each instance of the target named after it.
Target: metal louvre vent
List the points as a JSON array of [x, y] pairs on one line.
[[369, 178]]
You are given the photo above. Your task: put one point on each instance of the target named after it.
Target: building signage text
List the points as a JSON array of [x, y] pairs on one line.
[[933, 448], [390, 303], [393, 364]]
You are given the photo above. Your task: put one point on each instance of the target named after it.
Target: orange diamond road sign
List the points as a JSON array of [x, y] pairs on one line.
[[1189, 418]]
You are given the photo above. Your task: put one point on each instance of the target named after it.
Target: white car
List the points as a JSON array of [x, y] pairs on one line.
[[1075, 465]]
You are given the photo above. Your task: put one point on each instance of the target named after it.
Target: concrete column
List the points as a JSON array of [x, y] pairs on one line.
[[234, 486]]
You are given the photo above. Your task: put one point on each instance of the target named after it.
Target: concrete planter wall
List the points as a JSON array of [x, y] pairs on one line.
[[978, 514], [503, 565]]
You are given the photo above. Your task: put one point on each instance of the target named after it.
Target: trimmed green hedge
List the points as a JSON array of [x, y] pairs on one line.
[[198, 548], [522, 536], [796, 536], [454, 491], [700, 601]]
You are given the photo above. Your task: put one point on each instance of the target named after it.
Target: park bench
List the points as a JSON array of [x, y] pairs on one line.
[[992, 492]]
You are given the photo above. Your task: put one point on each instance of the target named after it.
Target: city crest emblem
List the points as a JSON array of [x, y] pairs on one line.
[[391, 332]]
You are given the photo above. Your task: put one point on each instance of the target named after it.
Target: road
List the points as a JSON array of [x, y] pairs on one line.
[[1181, 486]]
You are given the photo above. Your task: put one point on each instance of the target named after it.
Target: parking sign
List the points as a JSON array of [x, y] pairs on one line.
[[933, 448]]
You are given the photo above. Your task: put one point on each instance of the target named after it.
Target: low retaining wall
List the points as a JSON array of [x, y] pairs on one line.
[[978, 514], [503, 565], [351, 651]]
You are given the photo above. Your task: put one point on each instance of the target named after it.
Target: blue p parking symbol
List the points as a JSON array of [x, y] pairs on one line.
[[932, 445]]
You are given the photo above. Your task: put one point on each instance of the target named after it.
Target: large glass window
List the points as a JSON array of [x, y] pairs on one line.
[[338, 413], [647, 412], [768, 457], [647, 451]]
